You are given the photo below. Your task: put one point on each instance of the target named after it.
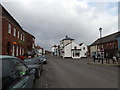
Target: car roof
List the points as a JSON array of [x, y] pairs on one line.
[[6, 56]]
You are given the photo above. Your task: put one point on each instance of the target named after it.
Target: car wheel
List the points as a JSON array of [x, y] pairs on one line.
[[34, 81], [38, 73]]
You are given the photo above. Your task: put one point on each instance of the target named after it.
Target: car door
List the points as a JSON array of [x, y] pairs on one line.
[[9, 74], [27, 79]]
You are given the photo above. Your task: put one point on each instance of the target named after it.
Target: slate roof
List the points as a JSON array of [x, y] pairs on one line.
[[80, 44], [67, 38], [109, 38]]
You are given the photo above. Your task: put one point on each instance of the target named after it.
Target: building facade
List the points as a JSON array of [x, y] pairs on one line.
[[39, 50], [15, 41], [109, 45], [70, 49], [55, 50]]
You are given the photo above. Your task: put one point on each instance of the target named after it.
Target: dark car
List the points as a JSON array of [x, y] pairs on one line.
[[34, 63], [43, 59], [15, 74]]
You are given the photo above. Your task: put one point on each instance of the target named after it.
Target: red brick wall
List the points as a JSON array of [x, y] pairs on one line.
[[9, 37]]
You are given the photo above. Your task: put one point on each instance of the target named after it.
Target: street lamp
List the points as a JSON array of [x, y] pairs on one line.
[[100, 29]]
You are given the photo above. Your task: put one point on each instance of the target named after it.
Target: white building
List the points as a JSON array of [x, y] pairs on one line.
[[39, 50], [55, 50], [69, 49]]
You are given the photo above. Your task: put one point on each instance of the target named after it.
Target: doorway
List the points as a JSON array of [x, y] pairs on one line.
[[8, 48]]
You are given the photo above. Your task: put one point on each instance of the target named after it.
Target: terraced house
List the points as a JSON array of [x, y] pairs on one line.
[[110, 45], [15, 41]]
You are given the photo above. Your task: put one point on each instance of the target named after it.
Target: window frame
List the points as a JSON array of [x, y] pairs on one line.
[[14, 32], [9, 28]]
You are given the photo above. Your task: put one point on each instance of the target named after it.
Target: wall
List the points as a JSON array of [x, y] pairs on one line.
[[9, 37], [83, 52], [93, 49], [118, 42]]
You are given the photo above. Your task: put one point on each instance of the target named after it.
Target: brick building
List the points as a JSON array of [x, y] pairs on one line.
[[15, 40], [109, 45]]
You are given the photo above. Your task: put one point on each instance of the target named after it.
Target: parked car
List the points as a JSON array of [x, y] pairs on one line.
[[15, 74], [34, 63], [43, 59]]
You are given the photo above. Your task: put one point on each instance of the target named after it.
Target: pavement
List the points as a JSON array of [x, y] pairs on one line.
[[89, 60], [73, 73]]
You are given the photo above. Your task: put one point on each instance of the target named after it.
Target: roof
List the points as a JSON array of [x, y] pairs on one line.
[[109, 38], [4, 12], [67, 38], [67, 44], [6, 56], [80, 44], [55, 46], [38, 47]]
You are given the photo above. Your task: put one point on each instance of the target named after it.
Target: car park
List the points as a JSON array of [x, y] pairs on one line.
[[43, 59], [15, 74], [34, 63]]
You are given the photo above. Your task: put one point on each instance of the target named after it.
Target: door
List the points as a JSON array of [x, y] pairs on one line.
[[8, 48], [27, 79]]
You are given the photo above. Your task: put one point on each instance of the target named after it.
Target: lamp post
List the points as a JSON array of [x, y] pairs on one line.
[[100, 29]]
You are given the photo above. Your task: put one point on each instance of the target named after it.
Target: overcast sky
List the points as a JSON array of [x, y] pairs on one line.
[[51, 20]]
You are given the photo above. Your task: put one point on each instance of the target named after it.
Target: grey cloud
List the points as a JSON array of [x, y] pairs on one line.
[[50, 21]]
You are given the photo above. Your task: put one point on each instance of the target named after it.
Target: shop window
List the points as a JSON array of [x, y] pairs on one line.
[[77, 54], [13, 51]]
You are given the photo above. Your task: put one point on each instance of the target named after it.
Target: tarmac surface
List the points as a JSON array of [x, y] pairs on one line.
[[83, 73]]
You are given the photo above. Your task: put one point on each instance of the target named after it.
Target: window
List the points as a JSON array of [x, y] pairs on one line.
[[113, 44], [23, 51], [20, 50], [17, 51], [75, 47], [20, 66], [14, 31], [21, 36], [18, 34], [9, 28], [76, 53], [13, 51], [83, 48], [9, 73]]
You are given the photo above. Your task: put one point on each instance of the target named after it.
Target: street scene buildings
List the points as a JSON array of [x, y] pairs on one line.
[[109, 45], [59, 45], [69, 49], [15, 40]]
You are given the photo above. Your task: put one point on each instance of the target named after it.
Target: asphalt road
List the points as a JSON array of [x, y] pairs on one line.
[[70, 73]]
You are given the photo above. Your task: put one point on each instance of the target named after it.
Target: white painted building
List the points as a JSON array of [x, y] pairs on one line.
[[39, 50], [69, 49], [54, 50]]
